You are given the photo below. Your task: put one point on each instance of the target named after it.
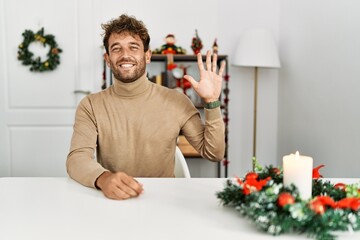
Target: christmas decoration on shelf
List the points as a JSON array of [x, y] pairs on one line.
[[275, 209], [170, 62], [196, 44], [215, 47], [27, 57], [182, 82], [225, 109], [169, 47]]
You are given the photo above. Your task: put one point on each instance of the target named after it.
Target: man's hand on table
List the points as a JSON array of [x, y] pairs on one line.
[[118, 186]]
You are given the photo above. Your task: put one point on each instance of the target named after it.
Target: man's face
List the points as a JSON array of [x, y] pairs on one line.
[[126, 57]]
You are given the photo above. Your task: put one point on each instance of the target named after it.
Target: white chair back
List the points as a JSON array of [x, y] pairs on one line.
[[181, 168]]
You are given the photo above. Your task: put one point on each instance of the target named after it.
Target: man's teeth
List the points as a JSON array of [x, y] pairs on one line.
[[126, 65]]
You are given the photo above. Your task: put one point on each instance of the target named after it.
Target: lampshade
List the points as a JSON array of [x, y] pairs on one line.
[[256, 48]]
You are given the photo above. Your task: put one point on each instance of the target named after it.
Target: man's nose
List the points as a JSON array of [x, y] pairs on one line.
[[126, 52]]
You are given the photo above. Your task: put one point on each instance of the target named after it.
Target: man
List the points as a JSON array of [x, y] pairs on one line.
[[133, 125]]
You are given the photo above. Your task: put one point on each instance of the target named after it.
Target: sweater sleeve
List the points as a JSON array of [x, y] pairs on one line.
[[81, 164], [207, 138]]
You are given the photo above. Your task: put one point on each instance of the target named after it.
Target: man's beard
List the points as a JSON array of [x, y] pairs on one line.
[[129, 77]]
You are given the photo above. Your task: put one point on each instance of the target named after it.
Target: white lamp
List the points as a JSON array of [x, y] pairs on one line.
[[256, 48]]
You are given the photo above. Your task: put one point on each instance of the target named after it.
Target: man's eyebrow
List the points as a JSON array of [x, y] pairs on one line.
[[135, 43], [117, 44]]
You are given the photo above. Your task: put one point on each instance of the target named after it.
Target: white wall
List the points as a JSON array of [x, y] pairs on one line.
[[319, 94], [236, 17]]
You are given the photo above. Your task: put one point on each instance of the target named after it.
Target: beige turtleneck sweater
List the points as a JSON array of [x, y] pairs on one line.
[[133, 128]]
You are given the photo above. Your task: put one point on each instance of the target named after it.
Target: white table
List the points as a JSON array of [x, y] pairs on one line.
[[59, 208]]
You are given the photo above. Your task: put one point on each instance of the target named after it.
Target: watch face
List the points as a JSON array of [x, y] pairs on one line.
[[178, 73]]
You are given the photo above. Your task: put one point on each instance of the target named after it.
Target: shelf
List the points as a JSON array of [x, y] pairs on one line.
[[182, 58]]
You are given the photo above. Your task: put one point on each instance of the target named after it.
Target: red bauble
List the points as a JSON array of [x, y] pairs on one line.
[[285, 198], [317, 206]]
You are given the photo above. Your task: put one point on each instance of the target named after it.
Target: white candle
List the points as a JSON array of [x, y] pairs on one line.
[[298, 171]]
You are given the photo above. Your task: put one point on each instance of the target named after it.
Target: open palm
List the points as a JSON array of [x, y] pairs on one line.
[[209, 85]]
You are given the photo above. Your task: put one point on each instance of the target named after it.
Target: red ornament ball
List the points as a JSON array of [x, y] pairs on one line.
[[317, 206], [284, 199]]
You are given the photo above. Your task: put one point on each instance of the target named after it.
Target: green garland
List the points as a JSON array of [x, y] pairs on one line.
[[27, 57], [275, 209]]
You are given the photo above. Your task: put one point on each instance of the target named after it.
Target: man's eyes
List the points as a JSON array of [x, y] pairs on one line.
[[134, 47], [118, 49], [115, 49]]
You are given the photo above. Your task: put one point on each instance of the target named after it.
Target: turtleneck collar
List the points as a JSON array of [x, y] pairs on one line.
[[131, 89]]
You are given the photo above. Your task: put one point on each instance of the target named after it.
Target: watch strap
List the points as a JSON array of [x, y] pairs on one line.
[[212, 105]]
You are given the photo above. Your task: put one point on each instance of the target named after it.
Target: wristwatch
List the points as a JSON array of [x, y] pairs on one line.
[[212, 105]]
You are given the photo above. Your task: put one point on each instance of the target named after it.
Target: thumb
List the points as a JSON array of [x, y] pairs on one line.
[[193, 82]]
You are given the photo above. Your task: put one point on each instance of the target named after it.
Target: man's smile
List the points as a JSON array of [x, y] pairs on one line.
[[127, 65]]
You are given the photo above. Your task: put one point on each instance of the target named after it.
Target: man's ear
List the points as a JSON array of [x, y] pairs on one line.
[[148, 56], [107, 60]]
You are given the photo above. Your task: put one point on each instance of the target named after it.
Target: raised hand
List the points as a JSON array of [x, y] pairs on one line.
[[209, 85]]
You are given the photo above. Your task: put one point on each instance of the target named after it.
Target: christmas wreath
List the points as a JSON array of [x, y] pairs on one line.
[[262, 197], [28, 58]]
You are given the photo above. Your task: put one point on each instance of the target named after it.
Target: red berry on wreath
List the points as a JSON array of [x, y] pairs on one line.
[[340, 186], [276, 171], [317, 206], [285, 198]]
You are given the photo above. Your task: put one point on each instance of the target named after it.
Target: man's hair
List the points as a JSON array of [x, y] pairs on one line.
[[128, 24]]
